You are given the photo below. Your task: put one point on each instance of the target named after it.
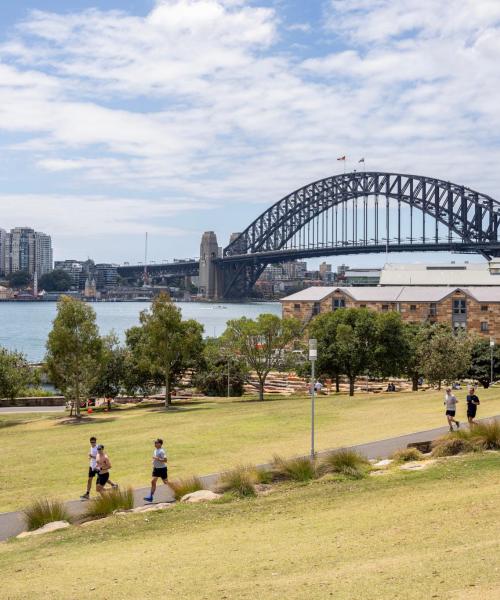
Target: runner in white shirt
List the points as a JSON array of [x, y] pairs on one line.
[[450, 401], [93, 470]]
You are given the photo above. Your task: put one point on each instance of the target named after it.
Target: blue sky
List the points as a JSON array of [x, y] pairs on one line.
[[177, 116]]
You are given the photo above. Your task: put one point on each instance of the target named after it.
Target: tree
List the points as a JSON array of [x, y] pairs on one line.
[[391, 351], [261, 343], [19, 279], [217, 365], [480, 364], [168, 344], [416, 340], [323, 328], [15, 373], [446, 356], [74, 350], [112, 370], [55, 281]]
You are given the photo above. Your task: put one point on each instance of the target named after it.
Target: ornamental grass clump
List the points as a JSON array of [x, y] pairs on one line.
[[43, 511], [109, 502], [452, 444], [239, 481], [301, 468], [181, 487], [486, 435], [407, 455], [345, 462]]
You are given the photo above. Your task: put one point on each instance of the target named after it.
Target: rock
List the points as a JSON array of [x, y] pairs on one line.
[[153, 507], [201, 496], [54, 526], [383, 463], [416, 466], [381, 472]]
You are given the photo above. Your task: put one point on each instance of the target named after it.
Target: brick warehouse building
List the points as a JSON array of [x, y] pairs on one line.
[[471, 308]]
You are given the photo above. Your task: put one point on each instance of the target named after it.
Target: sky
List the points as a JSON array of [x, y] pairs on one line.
[[174, 117]]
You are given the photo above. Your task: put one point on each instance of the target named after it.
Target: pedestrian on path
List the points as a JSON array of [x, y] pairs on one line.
[[103, 465], [472, 404], [92, 467], [159, 468], [451, 402]]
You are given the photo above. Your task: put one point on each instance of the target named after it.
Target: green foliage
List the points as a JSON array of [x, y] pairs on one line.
[[112, 369], [261, 343], [486, 435], [15, 374], [451, 445], [19, 279], [109, 502], [446, 355], [345, 462], [407, 455], [239, 481], [74, 350], [44, 510], [295, 469], [55, 281], [480, 362], [34, 392], [181, 487], [212, 370], [164, 344]]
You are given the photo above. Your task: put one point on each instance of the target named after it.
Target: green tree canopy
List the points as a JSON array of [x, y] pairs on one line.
[[480, 364], [166, 344], [261, 343], [74, 350], [112, 369], [55, 281], [219, 364], [15, 373], [19, 279], [446, 356]]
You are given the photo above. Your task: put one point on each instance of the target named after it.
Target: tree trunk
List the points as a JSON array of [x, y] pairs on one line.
[[109, 404], [261, 389], [337, 383], [351, 385], [439, 385], [414, 382], [168, 392], [77, 401]]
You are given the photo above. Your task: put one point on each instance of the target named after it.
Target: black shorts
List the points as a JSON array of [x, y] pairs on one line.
[[451, 413], [160, 472], [471, 410], [102, 478], [92, 472]]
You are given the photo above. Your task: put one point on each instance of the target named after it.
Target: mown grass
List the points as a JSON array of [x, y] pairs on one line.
[[407, 535], [204, 436]]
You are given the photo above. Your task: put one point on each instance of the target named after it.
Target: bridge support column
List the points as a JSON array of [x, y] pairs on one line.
[[209, 252]]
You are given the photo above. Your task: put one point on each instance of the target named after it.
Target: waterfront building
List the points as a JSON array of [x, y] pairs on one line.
[[449, 274], [3, 247], [471, 308], [106, 276], [357, 277], [6, 293], [25, 249], [43, 253]]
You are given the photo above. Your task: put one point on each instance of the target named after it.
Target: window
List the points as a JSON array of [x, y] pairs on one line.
[[458, 325], [385, 307], [484, 308], [432, 309], [296, 307], [413, 307], [484, 326], [459, 307], [362, 306], [338, 303], [316, 308]]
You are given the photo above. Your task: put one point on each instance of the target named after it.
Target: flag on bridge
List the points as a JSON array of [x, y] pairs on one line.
[[341, 158]]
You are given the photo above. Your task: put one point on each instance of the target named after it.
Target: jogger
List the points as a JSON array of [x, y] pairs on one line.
[[159, 468], [92, 467], [103, 467], [451, 408], [472, 404]]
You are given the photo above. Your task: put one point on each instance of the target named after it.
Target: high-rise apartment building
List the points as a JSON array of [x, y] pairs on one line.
[[3, 246], [26, 250]]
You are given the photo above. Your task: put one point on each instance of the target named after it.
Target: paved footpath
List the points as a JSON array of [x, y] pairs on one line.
[[11, 523]]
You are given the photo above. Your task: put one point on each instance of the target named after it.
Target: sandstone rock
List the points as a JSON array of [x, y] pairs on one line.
[[383, 463], [201, 496], [54, 526], [152, 507], [416, 465]]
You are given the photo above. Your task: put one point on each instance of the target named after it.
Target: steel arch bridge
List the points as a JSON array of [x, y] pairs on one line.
[[361, 212]]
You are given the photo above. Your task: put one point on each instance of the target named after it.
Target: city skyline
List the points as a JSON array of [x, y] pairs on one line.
[[184, 116]]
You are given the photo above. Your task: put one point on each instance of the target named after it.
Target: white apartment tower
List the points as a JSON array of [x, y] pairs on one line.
[[26, 250], [3, 247]]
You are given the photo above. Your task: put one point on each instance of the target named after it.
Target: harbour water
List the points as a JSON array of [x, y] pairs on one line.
[[25, 326]]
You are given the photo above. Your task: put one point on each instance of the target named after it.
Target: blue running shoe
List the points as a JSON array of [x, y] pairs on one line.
[[148, 499]]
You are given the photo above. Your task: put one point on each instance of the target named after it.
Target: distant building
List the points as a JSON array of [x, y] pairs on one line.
[[470, 308], [106, 276], [90, 290], [356, 277], [24, 249], [6, 293], [3, 248], [449, 274]]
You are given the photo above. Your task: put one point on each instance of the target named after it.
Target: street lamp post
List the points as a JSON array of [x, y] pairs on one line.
[[492, 347], [313, 355]]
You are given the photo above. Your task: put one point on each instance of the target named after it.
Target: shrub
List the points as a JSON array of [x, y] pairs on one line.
[[265, 476], [43, 511], [239, 481], [406, 455], [486, 435], [346, 462], [451, 445], [295, 469], [181, 487], [108, 502]]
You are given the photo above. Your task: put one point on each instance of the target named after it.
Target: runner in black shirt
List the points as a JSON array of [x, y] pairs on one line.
[[472, 404]]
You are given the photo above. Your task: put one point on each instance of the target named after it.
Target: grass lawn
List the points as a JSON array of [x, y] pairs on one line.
[[411, 536], [41, 456]]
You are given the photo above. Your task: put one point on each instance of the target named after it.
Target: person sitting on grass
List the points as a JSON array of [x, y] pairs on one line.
[[451, 402], [159, 468], [472, 404], [103, 467]]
